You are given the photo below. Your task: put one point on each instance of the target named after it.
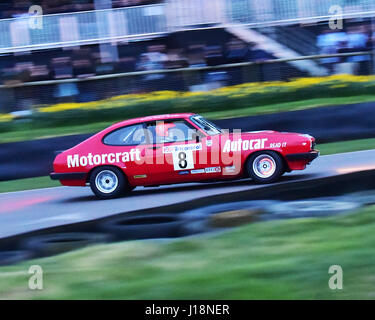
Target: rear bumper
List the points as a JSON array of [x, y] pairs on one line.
[[68, 176], [307, 156]]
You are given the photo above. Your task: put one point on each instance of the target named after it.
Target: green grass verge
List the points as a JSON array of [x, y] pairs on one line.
[[27, 184], [346, 146], [289, 106], [325, 149], [24, 132], [286, 259]]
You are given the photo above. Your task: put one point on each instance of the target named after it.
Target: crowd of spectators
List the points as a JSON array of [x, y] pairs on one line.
[[108, 59], [94, 60], [16, 8], [353, 39], [164, 53]]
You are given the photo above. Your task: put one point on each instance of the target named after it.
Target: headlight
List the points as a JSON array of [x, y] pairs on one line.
[[313, 144]]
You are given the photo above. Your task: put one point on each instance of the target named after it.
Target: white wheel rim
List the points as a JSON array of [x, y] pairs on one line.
[[106, 181], [264, 166]]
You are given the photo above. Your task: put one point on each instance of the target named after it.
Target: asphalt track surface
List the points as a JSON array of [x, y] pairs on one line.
[[32, 210]]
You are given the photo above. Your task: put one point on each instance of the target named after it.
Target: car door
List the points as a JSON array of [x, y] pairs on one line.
[[177, 154], [127, 145]]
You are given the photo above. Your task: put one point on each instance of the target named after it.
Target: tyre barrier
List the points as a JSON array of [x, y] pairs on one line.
[[152, 226], [205, 212], [365, 198], [309, 208], [233, 218], [224, 215], [51, 244], [12, 257]]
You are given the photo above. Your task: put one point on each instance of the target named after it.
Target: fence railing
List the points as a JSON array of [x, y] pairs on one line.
[[24, 96], [69, 29]]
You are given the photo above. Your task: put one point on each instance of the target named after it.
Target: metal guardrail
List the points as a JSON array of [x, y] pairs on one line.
[[69, 29]]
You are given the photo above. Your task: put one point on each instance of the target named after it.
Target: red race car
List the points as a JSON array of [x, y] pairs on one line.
[[178, 148]]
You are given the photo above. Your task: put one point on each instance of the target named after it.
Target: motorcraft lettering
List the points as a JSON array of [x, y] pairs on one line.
[[76, 160]]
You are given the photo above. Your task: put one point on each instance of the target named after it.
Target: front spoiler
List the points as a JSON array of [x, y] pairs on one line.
[[68, 176], [307, 156]]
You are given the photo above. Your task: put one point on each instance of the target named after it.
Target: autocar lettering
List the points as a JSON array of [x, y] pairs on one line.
[[243, 145]]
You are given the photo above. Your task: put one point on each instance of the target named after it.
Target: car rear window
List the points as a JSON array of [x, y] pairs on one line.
[[126, 136]]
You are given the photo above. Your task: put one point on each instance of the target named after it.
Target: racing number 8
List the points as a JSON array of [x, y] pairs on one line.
[[182, 160]]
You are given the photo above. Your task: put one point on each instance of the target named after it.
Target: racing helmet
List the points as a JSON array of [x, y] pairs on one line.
[[163, 128]]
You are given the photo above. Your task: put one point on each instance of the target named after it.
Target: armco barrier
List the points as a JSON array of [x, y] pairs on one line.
[[336, 123]]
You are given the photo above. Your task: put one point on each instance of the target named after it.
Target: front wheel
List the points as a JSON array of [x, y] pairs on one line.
[[265, 167], [108, 182]]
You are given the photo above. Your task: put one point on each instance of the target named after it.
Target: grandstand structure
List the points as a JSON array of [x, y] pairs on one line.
[[37, 31], [95, 49]]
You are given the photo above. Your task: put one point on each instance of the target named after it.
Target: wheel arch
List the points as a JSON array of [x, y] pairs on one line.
[[278, 152], [105, 165]]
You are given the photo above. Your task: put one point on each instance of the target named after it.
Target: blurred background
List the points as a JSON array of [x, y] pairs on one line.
[[86, 50], [69, 68]]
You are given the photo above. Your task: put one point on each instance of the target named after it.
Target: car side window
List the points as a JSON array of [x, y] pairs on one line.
[[171, 131], [126, 136]]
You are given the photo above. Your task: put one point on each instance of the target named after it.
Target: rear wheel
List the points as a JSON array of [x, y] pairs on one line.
[[108, 182], [265, 167]]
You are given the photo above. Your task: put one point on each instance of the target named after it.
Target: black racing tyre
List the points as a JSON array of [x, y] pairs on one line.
[[152, 226], [194, 227], [12, 257], [108, 182], [51, 244], [265, 167]]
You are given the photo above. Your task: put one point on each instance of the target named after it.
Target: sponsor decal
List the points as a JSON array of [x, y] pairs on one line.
[[140, 176], [209, 143], [278, 145], [182, 148], [243, 145], [212, 170], [76, 160], [182, 173], [197, 171], [230, 169]]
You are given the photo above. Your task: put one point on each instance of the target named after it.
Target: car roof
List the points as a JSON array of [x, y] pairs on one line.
[[150, 118]]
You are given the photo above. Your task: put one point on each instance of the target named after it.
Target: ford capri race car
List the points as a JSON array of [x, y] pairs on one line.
[[178, 148]]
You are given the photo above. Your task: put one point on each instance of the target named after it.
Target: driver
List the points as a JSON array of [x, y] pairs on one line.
[[163, 132]]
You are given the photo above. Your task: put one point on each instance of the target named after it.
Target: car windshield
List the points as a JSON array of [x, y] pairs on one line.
[[207, 126]]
